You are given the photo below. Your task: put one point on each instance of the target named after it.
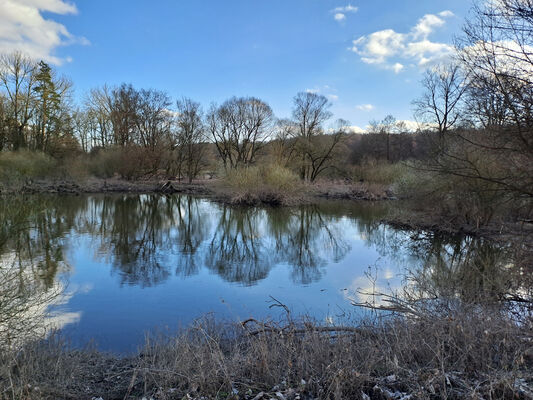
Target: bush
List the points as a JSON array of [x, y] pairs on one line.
[[104, 163], [381, 173], [129, 162], [22, 165], [271, 184]]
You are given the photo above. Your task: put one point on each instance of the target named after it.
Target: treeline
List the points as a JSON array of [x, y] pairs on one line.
[[477, 110], [149, 132], [135, 132]]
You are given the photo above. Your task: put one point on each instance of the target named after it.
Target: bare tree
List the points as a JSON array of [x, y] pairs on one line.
[[123, 103], [4, 122], [496, 52], [152, 117], [98, 108], [18, 77], [239, 128], [81, 124], [284, 144], [190, 138], [310, 112], [440, 104], [386, 127]]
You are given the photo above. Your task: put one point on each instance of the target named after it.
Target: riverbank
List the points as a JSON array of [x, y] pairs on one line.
[[215, 189], [422, 355]]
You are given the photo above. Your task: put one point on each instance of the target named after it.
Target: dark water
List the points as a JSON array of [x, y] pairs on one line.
[[110, 268]]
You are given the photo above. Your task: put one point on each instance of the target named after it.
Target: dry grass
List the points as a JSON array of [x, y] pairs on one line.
[[467, 353], [270, 184]]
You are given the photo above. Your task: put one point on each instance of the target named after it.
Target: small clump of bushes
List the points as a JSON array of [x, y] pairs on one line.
[[266, 184]]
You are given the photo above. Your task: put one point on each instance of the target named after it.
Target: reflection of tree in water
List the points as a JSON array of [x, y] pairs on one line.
[[31, 255], [465, 268], [147, 236], [248, 242], [193, 228], [306, 239], [33, 231], [237, 251]]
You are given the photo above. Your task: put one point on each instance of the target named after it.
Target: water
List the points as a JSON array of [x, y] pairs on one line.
[[111, 268]]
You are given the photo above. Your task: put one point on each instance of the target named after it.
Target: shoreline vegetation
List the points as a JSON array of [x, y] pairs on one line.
[[432, 350]]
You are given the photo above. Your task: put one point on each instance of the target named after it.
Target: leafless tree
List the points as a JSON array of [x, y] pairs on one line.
[[81, 124], [386, 127], [496, 52], [17, 77], [283, 146], [123, 105], [152, 117], [239, 128], [190, 140], [310, 112], [4, 122], [98, 108], [440, 105]]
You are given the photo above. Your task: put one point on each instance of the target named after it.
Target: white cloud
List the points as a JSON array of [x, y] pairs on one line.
[[387, 46], [346, 9], [507, 57], [340, 12], [378, 46], [23, 28], [396, 67], [426, 25], [446, 14], [326, 90], [365, 107], [347, 129], [354, 129], [339, 17]]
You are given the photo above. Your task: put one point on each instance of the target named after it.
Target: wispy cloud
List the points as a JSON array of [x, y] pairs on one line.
[[23, 28], [339, 13], [387, 47], [346, 9], [325, 90], [365, 107]]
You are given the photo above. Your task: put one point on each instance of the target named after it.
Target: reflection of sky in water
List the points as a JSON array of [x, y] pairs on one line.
[[116, 311], [129, 264]]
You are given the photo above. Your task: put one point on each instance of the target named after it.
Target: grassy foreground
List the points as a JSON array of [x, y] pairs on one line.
[[428, 353]]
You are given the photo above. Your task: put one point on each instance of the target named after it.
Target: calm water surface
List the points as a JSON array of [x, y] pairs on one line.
[[123, 265]]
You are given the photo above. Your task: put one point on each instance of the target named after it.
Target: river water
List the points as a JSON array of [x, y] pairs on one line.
[[109, 268]]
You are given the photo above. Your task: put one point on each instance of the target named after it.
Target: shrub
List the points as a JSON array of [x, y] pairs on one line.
[[22, 165], [271, 184], [380, 172], [104, 163], [129, 162]]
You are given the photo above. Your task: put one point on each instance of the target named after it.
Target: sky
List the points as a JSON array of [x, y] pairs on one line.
[[366, 56]]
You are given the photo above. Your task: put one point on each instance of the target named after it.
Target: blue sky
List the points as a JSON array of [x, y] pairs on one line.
[[366, 56]]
